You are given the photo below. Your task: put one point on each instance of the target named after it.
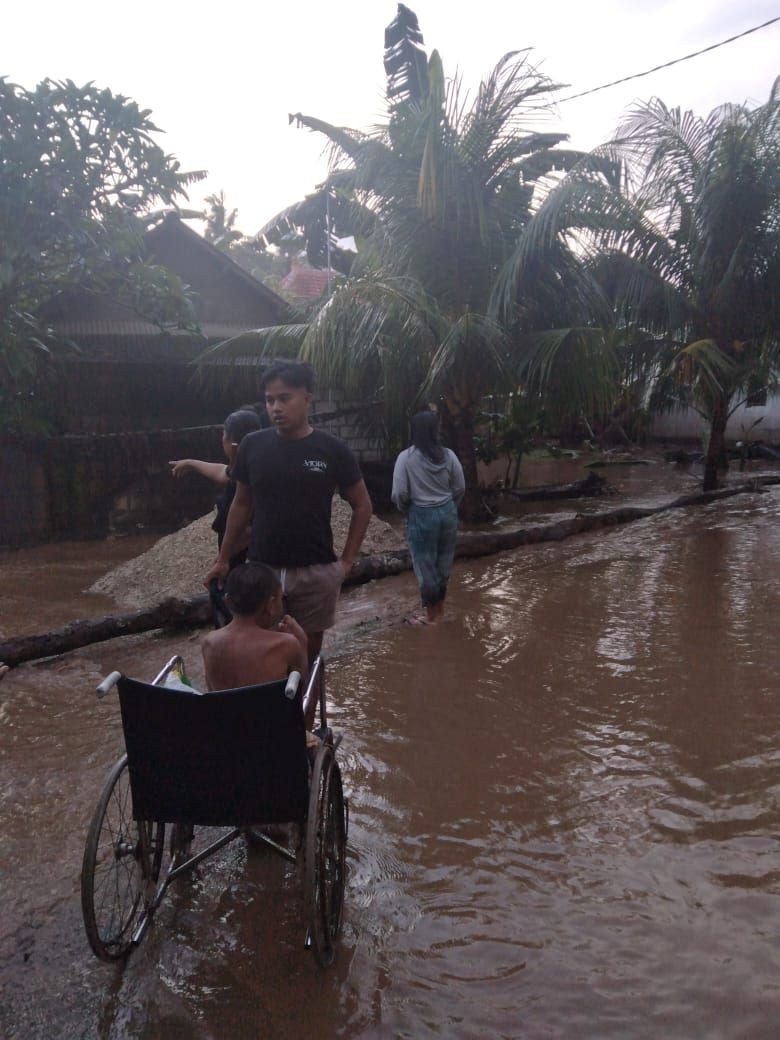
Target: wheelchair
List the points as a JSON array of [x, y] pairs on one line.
[[234, 759]]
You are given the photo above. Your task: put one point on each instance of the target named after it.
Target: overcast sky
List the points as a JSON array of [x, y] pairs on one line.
[[221, 78]]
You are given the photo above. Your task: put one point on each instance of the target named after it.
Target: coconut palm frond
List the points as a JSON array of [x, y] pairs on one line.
[[255, 346], [667, 141], [704, 361], [572, 371], [583, 211], [354, 326], [375, 337], [639, 293], [471, 358], [343, 138]]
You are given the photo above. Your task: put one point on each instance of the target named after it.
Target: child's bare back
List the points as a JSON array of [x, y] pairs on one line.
[[261, 644], [244, 654]]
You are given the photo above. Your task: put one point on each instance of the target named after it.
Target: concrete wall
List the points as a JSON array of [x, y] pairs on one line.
[[685, 424], [357, 425]]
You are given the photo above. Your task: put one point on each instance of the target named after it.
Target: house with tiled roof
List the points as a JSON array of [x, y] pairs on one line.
[[128, 399]]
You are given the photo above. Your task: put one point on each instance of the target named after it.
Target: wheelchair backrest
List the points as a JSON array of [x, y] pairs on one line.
[[229, 758]]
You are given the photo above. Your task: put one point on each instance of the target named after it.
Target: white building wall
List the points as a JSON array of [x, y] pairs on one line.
[[686, 424]]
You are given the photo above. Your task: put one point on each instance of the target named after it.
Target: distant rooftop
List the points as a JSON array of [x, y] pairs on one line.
[[306, 283]]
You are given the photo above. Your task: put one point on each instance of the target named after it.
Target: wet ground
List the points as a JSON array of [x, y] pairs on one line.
[[564, 805]]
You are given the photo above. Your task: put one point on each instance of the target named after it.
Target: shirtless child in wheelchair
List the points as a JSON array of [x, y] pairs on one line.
[[261, 643], [237, 759]]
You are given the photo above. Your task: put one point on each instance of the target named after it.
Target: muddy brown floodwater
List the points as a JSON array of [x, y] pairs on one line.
[[564, 817]]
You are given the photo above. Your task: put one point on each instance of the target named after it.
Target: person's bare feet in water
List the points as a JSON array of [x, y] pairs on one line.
[[432, 616]]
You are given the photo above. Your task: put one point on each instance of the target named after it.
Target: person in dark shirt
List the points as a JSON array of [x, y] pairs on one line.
[[237, 425], [285, 480]]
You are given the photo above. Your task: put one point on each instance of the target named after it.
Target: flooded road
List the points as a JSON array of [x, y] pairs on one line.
[[564, 813]]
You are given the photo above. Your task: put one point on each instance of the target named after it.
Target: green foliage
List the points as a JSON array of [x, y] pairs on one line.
[[677, 222], [79, 177], [316, 224], [510, 433], [441, 190], [220, 225]]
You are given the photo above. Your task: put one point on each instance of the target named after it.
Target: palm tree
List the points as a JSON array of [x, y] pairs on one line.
[[220, 225], [448, 187], [316, 224], [678, 220]]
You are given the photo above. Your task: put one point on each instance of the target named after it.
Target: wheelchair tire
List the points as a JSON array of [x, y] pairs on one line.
[[120, 857], [326, 842]]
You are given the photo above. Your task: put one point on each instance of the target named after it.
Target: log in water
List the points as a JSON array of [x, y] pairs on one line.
[[196, 611]]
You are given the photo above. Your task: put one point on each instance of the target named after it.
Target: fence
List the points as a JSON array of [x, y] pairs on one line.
[[90, 486]]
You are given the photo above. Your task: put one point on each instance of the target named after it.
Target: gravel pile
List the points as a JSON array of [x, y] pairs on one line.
[[175, 565]]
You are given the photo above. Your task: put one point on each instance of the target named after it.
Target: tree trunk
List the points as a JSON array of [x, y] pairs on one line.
[[472, 507], [170, 612], [716, 447], [197, 611]]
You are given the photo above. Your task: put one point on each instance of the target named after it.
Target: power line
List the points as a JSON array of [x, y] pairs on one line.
[[668, 64]]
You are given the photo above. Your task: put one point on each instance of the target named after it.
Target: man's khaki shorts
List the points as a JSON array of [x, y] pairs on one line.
[[311, 593]]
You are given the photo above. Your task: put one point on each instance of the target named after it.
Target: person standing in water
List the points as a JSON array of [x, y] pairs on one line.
[[285, 480], [428, 484]]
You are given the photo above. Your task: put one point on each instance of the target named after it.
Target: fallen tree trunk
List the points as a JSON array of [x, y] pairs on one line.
[[197, 611], [170, 612], [593, 484]]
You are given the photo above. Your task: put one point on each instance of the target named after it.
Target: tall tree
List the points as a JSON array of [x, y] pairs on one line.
[[449, 186], [80, 175], [221, 227], [685, 237]]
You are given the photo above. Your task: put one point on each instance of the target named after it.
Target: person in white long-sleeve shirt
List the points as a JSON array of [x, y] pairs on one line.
[[428, 484]]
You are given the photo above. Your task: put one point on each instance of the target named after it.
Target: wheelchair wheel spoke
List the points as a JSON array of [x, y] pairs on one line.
[[120, 856], [325, 855]]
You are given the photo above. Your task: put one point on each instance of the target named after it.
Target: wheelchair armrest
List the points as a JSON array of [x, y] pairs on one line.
[[293, 682]]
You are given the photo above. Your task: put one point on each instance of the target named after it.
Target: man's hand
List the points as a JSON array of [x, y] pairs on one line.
[[346, 567], [218, 571]]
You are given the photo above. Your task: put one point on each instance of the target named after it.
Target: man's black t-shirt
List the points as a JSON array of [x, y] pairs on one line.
[[292, 483]]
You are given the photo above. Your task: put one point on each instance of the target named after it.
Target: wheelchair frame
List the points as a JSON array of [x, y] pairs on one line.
[[123, 881]]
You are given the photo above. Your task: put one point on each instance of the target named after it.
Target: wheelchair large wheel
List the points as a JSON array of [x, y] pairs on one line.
[[326, 841], [120, 857]]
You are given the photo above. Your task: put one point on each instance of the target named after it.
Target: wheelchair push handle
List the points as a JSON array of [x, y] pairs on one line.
[[107, 685], [110, 681]]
